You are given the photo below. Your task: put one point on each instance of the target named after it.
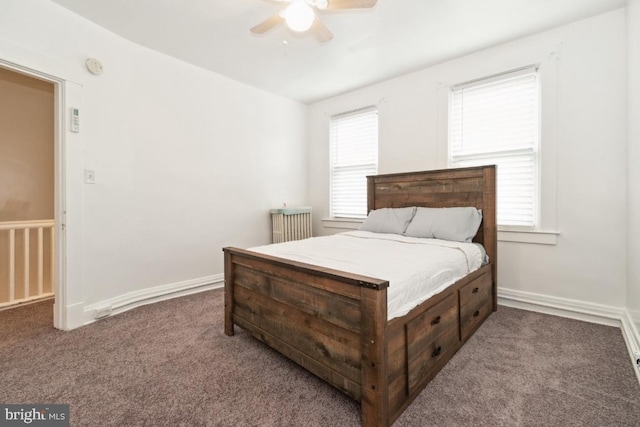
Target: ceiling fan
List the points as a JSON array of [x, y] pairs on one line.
[[301, 15]]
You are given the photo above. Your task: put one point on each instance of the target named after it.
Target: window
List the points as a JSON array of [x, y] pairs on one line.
[[497, 121], [354, 155]]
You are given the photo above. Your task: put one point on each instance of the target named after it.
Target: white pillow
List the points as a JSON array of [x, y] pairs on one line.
[[453, 224], [388, 220]]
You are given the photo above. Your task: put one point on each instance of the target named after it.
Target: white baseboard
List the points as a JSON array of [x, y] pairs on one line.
[[632, 338], [73, 319], [579, 310], [135, 299], [563, 307]]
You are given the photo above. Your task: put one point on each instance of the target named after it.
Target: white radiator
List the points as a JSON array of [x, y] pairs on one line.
[[290, 224]]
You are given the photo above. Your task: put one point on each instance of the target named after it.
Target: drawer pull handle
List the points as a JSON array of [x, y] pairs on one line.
[[475, 290], [436, 352], [435, 321], [476, 313]]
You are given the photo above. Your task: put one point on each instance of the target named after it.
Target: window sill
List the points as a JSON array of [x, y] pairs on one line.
[[529, 236], [342, 223]]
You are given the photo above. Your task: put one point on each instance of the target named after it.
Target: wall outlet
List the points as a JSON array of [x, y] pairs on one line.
[[103, 312]]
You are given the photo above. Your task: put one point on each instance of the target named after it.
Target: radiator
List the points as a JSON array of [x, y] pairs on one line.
[[290, 224]]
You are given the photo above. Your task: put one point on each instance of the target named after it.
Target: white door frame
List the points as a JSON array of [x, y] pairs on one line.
[[67, 313]]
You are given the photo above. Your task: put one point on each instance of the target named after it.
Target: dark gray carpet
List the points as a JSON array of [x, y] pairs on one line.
[[170, 364]]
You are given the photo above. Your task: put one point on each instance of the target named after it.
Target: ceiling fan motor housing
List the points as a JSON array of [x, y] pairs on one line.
[[301, 16]]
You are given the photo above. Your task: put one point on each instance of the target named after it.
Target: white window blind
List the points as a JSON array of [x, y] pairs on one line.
[[354, 155], [496, 121]]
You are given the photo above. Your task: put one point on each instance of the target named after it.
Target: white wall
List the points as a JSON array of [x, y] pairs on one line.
[[583, 71], [633, 165], [186, 161]]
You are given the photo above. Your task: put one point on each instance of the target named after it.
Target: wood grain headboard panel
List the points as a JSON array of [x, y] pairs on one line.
[[475, 186]]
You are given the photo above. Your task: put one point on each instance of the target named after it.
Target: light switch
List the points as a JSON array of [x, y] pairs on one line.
[[89, 176]]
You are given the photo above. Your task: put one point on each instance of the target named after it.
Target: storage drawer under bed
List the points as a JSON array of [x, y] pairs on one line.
[[475, 304], [430, 337]]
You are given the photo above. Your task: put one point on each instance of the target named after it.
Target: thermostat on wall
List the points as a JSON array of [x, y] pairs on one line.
[[75, 120]]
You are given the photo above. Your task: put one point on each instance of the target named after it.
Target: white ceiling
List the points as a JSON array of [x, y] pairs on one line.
[[369, 45]]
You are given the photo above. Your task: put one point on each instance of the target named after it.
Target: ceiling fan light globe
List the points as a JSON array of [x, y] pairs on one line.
[[299, 16]]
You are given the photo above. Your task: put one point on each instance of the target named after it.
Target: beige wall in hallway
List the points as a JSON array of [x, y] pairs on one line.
[[26, 147], [26, 165]]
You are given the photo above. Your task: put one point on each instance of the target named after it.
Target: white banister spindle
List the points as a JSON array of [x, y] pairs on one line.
[[26, 263], [12, 265], [52, 254], [9, 296], [40, 261]]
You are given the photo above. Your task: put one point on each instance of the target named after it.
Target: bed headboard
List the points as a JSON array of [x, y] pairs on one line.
[[475, 186]]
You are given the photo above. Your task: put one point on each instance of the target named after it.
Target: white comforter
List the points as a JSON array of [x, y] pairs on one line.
[[416, 268]]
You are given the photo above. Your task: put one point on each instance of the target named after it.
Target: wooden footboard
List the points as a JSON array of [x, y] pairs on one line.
[[335, 325], [331, 323]]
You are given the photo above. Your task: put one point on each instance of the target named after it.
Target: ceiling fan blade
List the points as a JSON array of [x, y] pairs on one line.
[[267, 24], [321, 31], [351, 4]]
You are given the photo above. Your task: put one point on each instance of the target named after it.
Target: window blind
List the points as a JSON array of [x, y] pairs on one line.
[[354, 155], [496, 121]]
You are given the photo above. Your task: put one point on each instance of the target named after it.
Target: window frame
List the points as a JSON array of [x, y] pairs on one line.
[[332, 167], [548, 56], [534, 152]]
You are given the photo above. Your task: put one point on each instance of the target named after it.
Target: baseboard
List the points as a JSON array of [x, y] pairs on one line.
[[563, 307], [579, 310], [135, 299], [632, 338], [73, 318], [26, 301]]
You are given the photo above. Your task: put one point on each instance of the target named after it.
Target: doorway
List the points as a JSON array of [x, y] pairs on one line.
[[27, 189]]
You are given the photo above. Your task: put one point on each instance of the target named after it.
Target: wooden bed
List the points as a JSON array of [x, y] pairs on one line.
[[334, 323]]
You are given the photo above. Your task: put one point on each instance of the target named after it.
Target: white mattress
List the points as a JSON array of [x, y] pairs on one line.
[[416, 268]]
